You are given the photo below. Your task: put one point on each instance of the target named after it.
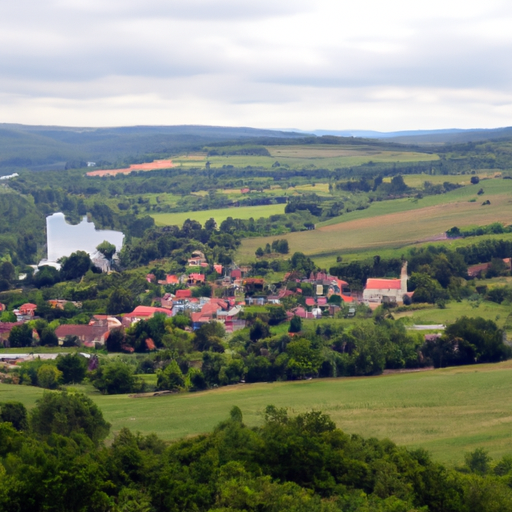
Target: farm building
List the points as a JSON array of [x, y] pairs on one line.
[[380, 290]]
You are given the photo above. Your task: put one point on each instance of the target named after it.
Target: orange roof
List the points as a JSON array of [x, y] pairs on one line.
[[172, 279], [183, 294], [196, 277], [146, 311], [383, 284]]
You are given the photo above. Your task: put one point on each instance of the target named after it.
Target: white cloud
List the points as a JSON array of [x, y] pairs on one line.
[[323, 64]]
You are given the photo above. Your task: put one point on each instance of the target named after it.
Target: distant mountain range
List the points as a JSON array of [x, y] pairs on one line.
[[447, 136]]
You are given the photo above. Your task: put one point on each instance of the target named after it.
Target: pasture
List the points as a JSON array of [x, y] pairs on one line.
[[446, 411], [242, 212], [397, 223], [306, 156]]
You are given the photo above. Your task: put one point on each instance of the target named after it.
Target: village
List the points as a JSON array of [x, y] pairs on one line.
[[235, 291]]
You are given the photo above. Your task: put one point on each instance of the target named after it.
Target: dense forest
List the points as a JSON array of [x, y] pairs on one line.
[[55, 458]]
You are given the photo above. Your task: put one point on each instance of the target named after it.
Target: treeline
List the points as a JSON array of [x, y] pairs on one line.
[[203, 359], [496, 228], [55, 458]]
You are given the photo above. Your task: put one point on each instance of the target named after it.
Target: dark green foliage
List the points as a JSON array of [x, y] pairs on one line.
[[107, 249], [468, 341], [75, 266], [73, 368], [20, 336], [295, 324], [116, 378], [67, 413], [15, 413]]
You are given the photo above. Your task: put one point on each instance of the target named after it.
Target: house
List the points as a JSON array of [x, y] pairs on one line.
[[105, 321], [165, 301], [183, 294], [25, 312], [60, 303], [195, 279], [218, 268], [144, 313], [196, 259], [88, 335], [381, 290], [5, 330]]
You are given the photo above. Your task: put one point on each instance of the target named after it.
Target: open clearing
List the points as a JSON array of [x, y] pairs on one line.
[[242, 212], [150, 166], [398, 223], [448, 411]]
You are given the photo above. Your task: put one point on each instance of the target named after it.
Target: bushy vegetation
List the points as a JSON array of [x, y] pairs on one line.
[[289, 463]]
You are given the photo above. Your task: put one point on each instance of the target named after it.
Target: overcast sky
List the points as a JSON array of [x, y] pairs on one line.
[[323, 64]]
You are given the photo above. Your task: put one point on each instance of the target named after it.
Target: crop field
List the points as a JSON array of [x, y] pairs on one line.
[[306, 156], [447, 411], [243, 212], [152, 166], [398, 223]]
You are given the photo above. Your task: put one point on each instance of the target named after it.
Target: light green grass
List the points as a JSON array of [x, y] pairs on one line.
[[307, 156], [448, 411], [489, 310], [243, 212]]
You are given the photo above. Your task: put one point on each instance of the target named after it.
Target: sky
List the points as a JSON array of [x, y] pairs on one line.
[[323, 64]]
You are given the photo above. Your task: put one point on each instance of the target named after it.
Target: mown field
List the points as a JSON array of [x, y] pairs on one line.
[[398, 223], [306, 156], [242, 212], [448, 411]]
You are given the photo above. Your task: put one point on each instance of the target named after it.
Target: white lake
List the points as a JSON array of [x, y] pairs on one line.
[[64, 239]]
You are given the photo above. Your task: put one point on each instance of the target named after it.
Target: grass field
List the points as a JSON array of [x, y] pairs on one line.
[[448, 411], [398, 223], [307, 156], [243, 212]]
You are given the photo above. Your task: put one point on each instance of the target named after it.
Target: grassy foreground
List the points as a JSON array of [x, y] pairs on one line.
[[448, 411]]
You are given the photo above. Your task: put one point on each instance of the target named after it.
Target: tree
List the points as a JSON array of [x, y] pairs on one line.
[[75, 266], [48, 376], [15, 413], [259, 252], [171, 378], [73, 368], [295, 324], [120, 301], [107, 249], [116, 378], [20, 336], [7, 271], [475, 180], [64, 413], [48, 337], [115, 340], [259, 330]]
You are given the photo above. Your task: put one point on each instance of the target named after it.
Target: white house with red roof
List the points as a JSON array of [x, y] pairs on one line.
[[378, 290]]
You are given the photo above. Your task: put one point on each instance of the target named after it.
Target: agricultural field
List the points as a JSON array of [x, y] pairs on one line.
[[398, 223], [243, 212], [306, 156], [448, 411]]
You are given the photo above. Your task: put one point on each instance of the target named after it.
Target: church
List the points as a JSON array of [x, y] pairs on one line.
[[381, 290]]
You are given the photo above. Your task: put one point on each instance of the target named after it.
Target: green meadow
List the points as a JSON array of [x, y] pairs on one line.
[[242, 212], [396, 224], [448, 411], [306, 156]]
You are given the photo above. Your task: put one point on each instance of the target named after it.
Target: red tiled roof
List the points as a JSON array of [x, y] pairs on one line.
[[218, 268], [310, 301], [196, 277], [141, 311], [322, 301], [347, 298], [383, 284], [183, 294], [172, 279]]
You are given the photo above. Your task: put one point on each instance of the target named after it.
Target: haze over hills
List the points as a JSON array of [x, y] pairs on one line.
[[445, 136]]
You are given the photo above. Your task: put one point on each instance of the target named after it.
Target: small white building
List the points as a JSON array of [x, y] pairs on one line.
[[378, 290]]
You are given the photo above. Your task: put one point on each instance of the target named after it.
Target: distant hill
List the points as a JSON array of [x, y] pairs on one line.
[[54, 147], [446, 136]]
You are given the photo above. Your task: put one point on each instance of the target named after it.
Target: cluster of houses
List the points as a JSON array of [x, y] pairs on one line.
[[239, 289]]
